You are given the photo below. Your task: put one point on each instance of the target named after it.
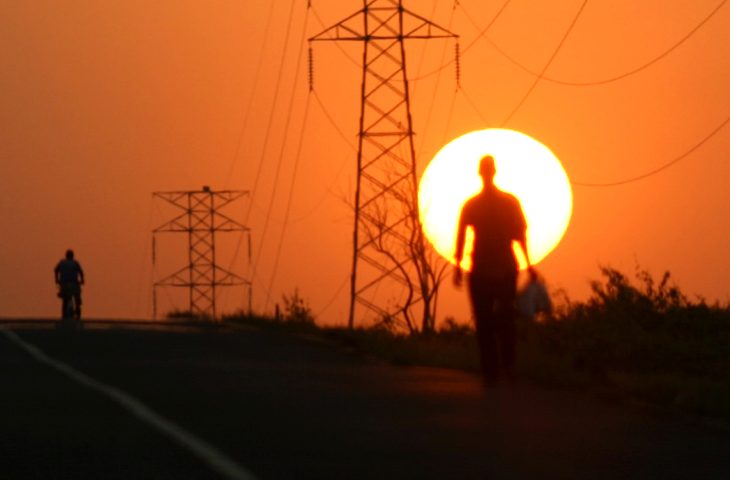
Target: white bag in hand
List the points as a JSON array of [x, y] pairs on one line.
[[534, 298]]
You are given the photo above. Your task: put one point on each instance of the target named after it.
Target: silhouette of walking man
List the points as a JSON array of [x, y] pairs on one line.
[[69, 277], [496, 220]]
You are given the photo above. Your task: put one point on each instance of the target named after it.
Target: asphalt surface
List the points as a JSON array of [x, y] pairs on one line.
[[291, 407]]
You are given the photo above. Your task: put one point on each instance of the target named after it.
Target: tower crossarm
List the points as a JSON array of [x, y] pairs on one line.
[[200, 211], [379, 15]]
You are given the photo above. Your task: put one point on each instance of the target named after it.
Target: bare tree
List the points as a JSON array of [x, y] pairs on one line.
[[418, 265]]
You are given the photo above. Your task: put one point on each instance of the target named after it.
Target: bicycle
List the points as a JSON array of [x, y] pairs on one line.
[[69, 317]]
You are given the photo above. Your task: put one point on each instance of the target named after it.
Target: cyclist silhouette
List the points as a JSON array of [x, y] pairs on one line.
[[69, 277], [496, 220]]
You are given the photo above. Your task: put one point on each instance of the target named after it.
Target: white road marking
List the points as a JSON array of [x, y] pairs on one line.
[[218, 461]]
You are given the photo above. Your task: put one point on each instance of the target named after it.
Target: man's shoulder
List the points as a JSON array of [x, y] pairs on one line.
[[66, 263], [471, 203], [507, 201], [507, 197], [496, 199]]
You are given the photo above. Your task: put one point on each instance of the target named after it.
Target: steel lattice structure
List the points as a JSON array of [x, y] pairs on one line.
[[386, 207], [201, 219]]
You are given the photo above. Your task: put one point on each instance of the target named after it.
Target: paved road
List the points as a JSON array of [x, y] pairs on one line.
[[290, 407]]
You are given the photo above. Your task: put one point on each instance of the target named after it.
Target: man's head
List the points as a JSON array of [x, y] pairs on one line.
[[69, 254], [487, 170]]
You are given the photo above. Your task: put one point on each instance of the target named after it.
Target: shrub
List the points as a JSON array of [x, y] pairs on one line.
[[645, 327], [187, 315], [296, 309]]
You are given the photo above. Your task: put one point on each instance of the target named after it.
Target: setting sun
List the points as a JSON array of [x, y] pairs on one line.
[[525, 168]]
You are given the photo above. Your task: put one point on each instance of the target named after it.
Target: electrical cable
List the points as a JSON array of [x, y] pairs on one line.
[[328, 189], [471, 44], [659, 169], [449, 117], [156, 209], [321, 199], [474, 106], [423, 51], [605, 80], [270, 121], [547, 65], [146, 254], [333, 298], [339, 47], [333, 123], [343, 163], [438, 82], [267, 133], [287, 210], [254, 90], [280, 158]]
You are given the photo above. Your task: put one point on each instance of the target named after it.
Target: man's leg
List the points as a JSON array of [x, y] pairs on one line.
[[482, 300], [65, 298], [77, 300], [505, 293]]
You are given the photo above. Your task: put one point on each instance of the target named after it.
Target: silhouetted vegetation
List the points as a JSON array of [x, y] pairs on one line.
[[187, 316], [643, 340], [647, 338], [296, 316], [413, 260], [296, 309]]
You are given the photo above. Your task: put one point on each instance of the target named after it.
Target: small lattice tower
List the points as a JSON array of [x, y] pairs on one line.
[[201, 219]]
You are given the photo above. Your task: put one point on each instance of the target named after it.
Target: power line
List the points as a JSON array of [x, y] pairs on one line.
[[474, 106], [333, 122], [547, 65], [659, 169], [339, 47], [423, 51], [251, 98], [606, 80], [287, 123], [471, 44], [267, 133], [273, 106], [438, 82], [328, 189], [297, 158], [449, 117], [318, 203], [333, 298]]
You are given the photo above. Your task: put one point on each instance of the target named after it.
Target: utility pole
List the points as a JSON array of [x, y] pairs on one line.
[[386, 158], [201, 219]]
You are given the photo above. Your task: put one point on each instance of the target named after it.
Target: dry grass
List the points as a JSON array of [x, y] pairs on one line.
[[642, 340]]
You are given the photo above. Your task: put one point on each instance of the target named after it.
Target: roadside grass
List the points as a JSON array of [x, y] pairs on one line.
[[648, 341], [442, 349], [643, 341]]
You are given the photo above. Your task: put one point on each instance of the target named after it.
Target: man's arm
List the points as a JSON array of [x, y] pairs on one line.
[[81, 273], [459, 251], [522, 240], [523, 245], [55, 273]]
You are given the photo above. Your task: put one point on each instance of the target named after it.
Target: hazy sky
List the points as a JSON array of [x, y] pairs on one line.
[[104, 102]]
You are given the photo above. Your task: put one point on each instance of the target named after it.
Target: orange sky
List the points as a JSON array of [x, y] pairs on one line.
[[106, 102]]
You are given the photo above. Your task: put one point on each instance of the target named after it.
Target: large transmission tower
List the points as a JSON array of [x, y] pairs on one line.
[[387, 226], [201, 219]]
